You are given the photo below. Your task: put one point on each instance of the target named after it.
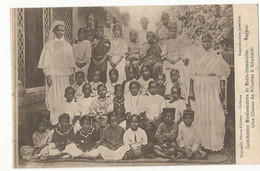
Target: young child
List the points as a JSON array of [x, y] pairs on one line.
[[130, 76], [173, 51], [82, 52], [119, 106], [145, 79], [134, 102], [41, 138], [154, 105], [95, 82], [101, 106], [86, 99], [108, 29], [142, 33], [116, 55], [63, 136], [188, 139], [113, 75], [80, 80], [136, 139], [151, 54], [166, 135], [112, 147], [160, 80], [177, 102], [132, 56], [86, 139], [126, 28], [72, 108]]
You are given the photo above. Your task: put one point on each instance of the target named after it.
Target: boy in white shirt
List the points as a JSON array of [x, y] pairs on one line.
[[136, 139]]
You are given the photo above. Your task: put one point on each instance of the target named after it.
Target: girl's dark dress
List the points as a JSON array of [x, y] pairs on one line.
[[99, 51], [61, 139], [86, 140]]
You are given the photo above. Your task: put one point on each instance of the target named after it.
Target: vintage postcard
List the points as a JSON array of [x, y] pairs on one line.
[[135, 85]]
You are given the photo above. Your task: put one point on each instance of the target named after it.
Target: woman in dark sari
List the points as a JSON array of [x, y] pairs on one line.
[[99, 55]]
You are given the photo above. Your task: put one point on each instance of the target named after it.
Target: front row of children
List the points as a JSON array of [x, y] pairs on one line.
[[114, 143]]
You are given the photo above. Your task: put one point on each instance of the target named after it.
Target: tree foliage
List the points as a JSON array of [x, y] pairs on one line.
[[198, 19]]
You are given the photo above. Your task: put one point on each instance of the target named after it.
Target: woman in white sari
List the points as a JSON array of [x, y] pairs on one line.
[[57, 63], [209, 73]]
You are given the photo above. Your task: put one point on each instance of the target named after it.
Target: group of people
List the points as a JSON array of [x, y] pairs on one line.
[[130, 94]]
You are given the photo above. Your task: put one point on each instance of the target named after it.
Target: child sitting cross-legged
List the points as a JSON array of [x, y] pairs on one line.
[[188, 140], [166, 135], [112, 147], [86, 140], [136, 139], [72, 108], [41, 138], [63, 136], [177, 102], [80, 80]]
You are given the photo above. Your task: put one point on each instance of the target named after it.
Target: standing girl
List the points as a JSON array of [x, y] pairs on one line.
[[57, 62], [99, 56], [117, 53]]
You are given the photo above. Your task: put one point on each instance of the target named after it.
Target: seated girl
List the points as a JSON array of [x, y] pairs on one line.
[[136, 139], [80, 81], [119, 106], [166, 135], [130, 76], [160, 80], [101, 106], [151, 54], [134, 102], [41, 138], [116, 55], [176, 102], [188, 140], [145, 79], [95, 82], [72, 108], [113, 80], [112, 147], [86, 140], [63, 136], [86, 100]]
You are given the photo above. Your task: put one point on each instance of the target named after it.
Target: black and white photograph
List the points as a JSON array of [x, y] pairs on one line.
[[123, 86]]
